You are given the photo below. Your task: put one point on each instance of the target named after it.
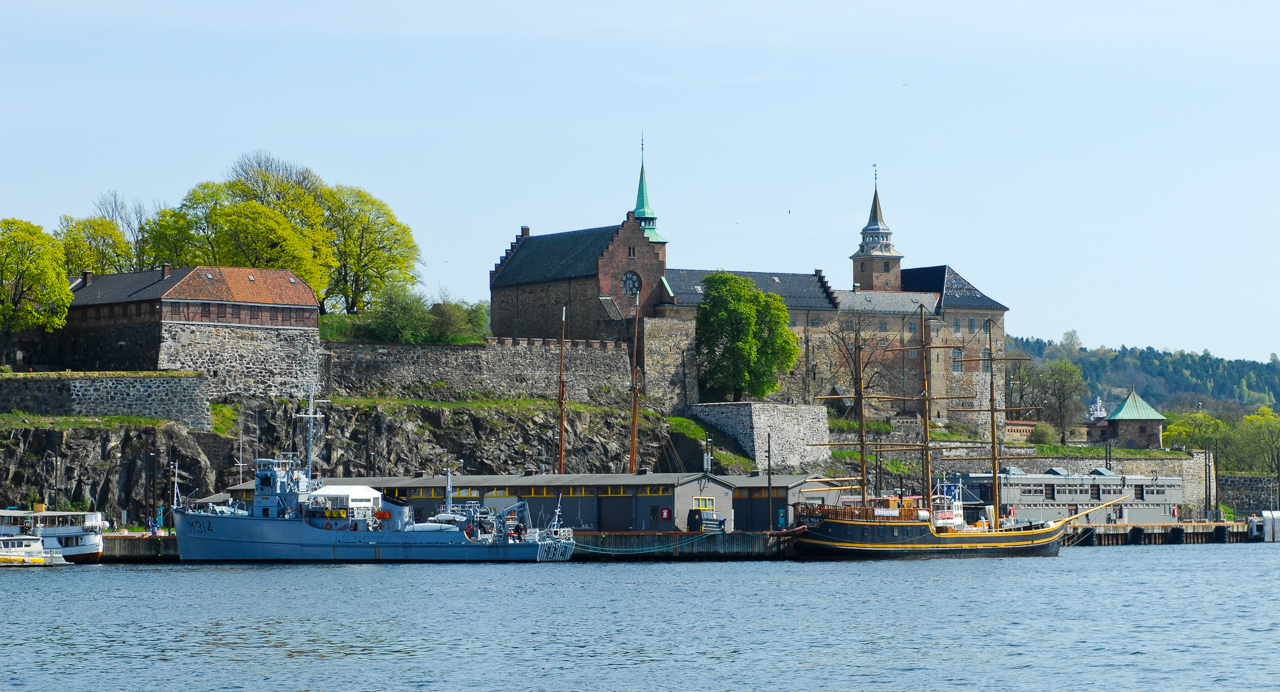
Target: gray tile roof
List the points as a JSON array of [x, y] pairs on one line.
[[798, 291], [555, 256], [125, 288], [886, 302], [955, 291]]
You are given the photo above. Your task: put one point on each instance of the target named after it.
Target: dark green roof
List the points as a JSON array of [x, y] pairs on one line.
[[1134, 408], [555, 256]]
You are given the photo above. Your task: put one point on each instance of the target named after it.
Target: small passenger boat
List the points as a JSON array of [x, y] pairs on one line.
[[77, 536], [22, 550]]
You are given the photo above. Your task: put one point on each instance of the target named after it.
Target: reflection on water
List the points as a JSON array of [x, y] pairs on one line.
[[1124, 618]]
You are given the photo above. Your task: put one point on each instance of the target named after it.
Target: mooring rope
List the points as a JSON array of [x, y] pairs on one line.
[[637, 551]]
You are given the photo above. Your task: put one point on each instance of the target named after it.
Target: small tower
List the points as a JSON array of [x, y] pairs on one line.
[[876, 265], [648, 220]]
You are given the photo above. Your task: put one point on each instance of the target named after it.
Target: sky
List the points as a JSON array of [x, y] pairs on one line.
[[1098, 166]]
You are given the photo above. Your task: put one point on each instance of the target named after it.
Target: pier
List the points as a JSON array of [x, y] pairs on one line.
[[1155, 534], [653, 546], [139, 548]]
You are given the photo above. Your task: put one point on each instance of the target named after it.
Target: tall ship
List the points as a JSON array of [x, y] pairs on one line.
[[931, 525], [76, 536]]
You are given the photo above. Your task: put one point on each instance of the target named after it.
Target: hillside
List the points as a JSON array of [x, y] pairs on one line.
[[1176, 380]]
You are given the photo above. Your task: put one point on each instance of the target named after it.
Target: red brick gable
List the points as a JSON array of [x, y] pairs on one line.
[[243, 285]]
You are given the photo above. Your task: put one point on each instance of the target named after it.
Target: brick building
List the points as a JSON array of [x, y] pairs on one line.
[[1133, 424], [253, 331]]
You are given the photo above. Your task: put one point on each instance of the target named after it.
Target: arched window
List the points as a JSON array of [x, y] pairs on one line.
[[864, 267], [886, 266]]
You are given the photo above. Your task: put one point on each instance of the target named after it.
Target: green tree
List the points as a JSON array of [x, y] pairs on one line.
[[372, 249], [1195, 430], [743, 339], [1259, 438], [35, 290], [94, 245], [399, 315], [1062, 387]]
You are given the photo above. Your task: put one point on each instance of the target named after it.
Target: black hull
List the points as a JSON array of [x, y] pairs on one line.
[[835, 539]]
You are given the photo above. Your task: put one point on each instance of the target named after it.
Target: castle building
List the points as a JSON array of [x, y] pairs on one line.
[[252, 331], [595, 276]]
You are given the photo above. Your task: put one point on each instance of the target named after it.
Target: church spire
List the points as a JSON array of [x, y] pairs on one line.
[[876, 264], [648, 220]]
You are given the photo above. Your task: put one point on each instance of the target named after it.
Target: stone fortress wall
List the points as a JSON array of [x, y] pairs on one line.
[[594, 371], [245, 360], [1248, 494], [179, 397], [784, 429]]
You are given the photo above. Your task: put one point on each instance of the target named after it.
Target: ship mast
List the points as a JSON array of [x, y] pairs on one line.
[[635, 390], [927, 490], [560, 396]]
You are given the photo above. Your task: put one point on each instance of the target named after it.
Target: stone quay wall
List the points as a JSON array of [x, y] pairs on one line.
[[791, 427], [594, 371], [1248, 494], [245, 360], [179, 397]]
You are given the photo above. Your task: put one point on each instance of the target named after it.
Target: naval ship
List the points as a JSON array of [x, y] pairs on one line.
[[289, 520]]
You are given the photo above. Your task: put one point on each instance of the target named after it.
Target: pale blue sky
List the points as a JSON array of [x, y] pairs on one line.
[[1105, 167]]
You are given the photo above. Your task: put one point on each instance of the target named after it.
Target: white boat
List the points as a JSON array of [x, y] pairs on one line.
[[77, 536], [19, 550]]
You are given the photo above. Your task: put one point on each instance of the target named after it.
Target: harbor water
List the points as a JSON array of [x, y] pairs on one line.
[[1141, 617]]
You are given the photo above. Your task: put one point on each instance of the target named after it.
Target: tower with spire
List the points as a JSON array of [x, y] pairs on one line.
[[644, 214], [877, 266]]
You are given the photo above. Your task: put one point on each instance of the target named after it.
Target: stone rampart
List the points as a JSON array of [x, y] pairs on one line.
[[792, 429], [1248, 494], [594, 371], [671, 368], [179, 397], [245, 360]]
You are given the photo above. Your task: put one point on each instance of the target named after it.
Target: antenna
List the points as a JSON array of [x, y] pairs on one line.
[[875, 177], [642, 146]]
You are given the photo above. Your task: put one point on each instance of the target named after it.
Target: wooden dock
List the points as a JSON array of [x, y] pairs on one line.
[[1155, 534], [658, 546], [139, 549]]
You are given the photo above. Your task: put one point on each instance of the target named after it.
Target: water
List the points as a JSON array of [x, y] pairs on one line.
[[1178, 617]]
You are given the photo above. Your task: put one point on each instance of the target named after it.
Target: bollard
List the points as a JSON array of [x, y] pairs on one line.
[[1137, 535]]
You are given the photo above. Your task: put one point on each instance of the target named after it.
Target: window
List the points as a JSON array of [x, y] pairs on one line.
[[708, 503], [955, 325], [615, 490], [911, 353], [986, 364], [204, 309], [884, 325], [813, 321], [631, 284], [286, 314], [986, 326], [886, 266], [911, 327], [137, 309], [173, 309], [956, 365], [793, 320], [654, 490], [235, 311], [222, 309], [973, 325], [253, 312], [863, 267], [275, 314]]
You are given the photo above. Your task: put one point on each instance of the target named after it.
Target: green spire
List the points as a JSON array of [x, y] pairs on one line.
[[648, 220]]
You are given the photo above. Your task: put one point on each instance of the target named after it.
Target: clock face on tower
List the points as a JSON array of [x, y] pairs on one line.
[[631, 283]]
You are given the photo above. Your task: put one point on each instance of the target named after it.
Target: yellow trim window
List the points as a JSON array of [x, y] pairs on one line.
[[654, 490], [616, 490], [581, 491], [707, 503]]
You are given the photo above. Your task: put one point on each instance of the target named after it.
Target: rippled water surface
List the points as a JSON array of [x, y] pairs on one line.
[[1172, 617]]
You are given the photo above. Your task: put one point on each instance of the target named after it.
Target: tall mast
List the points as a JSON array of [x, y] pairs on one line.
[[635, 391], [924, 397], [563, 311], [995, 446], [862, 413]]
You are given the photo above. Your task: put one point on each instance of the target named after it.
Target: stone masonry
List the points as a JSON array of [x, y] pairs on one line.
[[1248, 494], [670, 365], [179, 397], [256, 361], [792, 429], [594, 371]]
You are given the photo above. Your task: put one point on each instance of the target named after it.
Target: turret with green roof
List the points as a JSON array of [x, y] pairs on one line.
[[1134, 424]]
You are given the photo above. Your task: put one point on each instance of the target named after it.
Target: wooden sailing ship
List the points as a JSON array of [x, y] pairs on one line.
[[932, 525]]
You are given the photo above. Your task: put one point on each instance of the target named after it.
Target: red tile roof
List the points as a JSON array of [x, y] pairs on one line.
[[243, 285]]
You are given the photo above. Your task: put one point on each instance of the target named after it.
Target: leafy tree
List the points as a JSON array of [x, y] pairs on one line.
[[94, 244], [250, 234], [372, 249], [1062, 387], [400, 316], [1195, 431], [1043, 434], [35, 290], [743, 339]]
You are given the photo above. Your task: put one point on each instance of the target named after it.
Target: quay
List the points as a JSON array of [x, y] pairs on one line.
[[651, 546], [119, 548], [1156, 534]]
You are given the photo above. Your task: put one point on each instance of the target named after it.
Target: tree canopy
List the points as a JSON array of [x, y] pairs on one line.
[[33, 280], [743, 340]]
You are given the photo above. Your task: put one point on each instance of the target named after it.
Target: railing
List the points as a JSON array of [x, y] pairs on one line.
[[911, 514]]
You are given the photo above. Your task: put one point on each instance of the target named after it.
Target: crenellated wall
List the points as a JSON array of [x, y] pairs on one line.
[[594, 371]]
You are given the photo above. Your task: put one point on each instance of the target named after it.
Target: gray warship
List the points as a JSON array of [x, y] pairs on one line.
[[289, 520]]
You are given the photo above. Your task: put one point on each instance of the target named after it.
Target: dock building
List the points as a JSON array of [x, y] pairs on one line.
[[1059, 494]]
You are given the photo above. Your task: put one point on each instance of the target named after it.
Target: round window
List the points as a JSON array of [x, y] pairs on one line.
[[631, 283]]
